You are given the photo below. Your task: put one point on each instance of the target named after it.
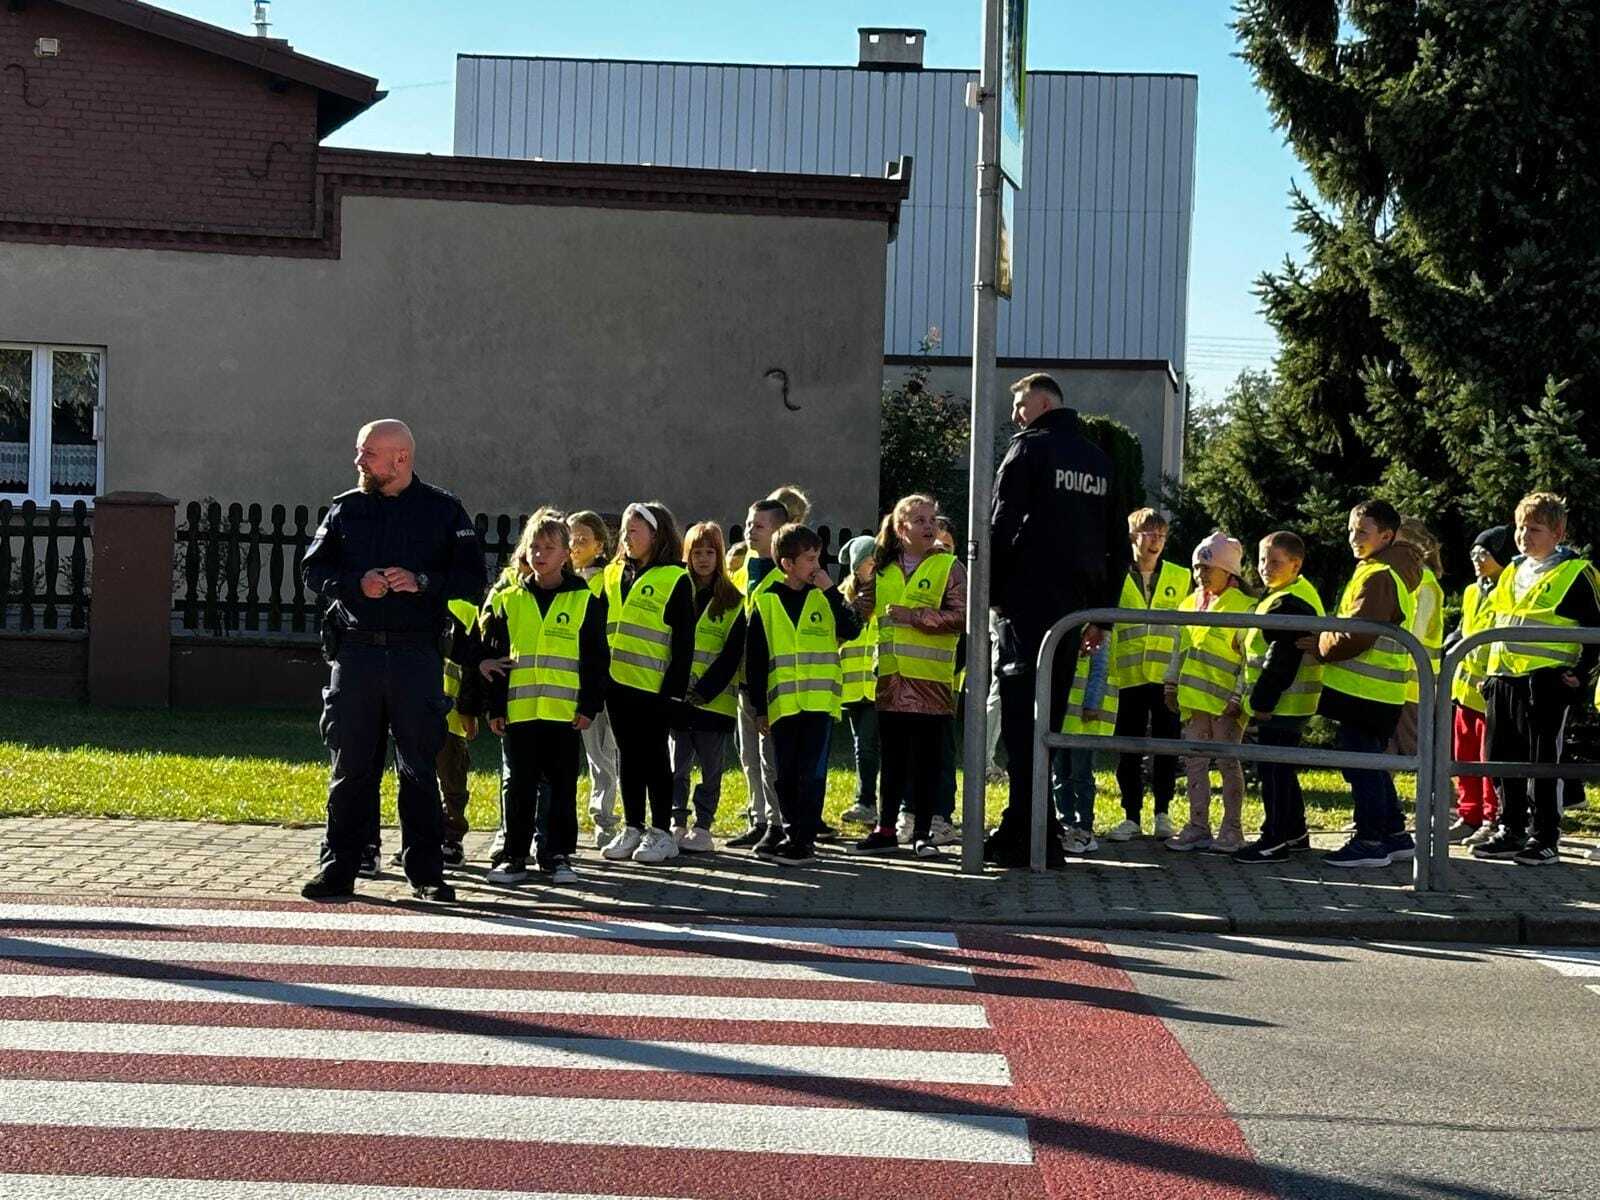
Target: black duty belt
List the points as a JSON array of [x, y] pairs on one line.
[[404, 638]]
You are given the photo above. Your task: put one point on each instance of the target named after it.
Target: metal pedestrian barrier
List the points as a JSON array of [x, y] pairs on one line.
[[1446, 764], [1422, 762]]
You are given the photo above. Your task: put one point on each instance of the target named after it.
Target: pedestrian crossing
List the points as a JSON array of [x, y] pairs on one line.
[[240, 1052]]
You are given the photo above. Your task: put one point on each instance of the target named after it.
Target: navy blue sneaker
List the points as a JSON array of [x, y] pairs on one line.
[[1356, 853], [1400, 847]]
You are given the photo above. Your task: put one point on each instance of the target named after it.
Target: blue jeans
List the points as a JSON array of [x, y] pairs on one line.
[[1072, 786], [1377, 805], [1281, 797]]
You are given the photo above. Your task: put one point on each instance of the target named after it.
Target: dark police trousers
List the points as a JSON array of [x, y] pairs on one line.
[[376, 691]]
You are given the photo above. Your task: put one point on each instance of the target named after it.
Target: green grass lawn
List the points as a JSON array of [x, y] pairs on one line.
[[270, 767]]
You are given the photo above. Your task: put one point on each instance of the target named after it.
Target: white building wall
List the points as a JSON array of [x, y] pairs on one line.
[[1103, 225]]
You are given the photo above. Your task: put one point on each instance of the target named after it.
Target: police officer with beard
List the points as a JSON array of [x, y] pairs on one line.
[[385, 560], [1057, 546]]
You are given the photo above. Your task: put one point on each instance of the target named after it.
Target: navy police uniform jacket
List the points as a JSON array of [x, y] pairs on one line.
[[1057, 543], [423, 529]]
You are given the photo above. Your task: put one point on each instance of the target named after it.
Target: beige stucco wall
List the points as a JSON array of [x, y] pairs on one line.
[[1143, 400], [582, 356]]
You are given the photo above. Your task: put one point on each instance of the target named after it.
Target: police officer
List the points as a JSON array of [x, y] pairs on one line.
[[1057, 546], [386, 559]]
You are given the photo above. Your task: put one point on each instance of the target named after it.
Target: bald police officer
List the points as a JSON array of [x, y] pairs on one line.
[[385, 560], [1057, 546]]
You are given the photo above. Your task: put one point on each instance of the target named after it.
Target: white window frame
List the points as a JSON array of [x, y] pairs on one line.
[[41, 404]]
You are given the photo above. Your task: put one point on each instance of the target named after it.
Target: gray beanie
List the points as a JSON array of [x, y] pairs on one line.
[[856, 551]]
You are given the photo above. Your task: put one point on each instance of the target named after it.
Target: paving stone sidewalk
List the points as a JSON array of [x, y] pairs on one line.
[[1136, 885]]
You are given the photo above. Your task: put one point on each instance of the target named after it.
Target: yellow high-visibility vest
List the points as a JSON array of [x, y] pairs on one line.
[[1143, 651], [1537, 607], [1211, 657], [1380, 672], [636, 628], [466, 612], [710, 637], [855, 661], [1477, 614], [903, 649], [1101, 719], [543, 685], [804, 674], [1429, 629], [1299, 699]]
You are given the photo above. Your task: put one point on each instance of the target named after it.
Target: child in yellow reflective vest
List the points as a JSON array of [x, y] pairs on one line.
[[549, 632], [1477, 802], [795, 685], [861, 685], [1091, 708], [1204, 685], [703, 724], [591, 551]]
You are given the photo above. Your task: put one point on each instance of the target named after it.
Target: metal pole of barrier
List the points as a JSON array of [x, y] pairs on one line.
[[1039, 824], [1448, 766], [1423, 762]]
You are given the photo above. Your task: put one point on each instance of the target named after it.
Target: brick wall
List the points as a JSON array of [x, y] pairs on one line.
[[132, 129]]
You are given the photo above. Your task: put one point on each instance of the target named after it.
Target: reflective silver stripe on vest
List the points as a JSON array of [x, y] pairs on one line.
[[1549, 651], [1213, 660], [522, 661], [452, 669], [1372, 671], [1192, 683], [932, 653], [541, 691], [659, 636], [704, 658], [639, 660], [857, 676], [559, 662], [791, 687]]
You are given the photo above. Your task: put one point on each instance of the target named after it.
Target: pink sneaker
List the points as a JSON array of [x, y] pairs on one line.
[[1227, 841], [1190, 837]]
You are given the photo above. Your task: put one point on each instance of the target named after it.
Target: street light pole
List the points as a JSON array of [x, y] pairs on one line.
[[974, 756]]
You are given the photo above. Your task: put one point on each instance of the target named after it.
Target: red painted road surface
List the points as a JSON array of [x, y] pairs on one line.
[[337, 1053]]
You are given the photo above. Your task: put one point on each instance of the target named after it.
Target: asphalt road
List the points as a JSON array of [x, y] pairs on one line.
[[1369, 1072]]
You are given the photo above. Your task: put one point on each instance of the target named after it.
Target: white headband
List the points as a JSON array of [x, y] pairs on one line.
[[641, 511]]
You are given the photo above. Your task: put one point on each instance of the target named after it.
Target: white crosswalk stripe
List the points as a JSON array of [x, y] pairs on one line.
[[596, 1054], [860, 970]]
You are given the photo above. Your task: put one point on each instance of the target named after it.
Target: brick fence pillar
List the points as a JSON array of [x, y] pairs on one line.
[[130, 613]]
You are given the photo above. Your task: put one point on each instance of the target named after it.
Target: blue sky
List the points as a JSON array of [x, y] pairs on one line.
[[1243, 169]]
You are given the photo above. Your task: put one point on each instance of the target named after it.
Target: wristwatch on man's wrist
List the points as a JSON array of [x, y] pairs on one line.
[[422, 582]]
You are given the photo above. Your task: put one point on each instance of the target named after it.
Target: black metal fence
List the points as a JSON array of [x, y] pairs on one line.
[[45, 557], [236, 568]]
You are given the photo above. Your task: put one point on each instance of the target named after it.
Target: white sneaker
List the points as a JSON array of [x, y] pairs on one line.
[[562, 872], [623, 844], [942, 833], [1481, 834], [1079, 841], [1594, 853], [679, 832], [515, 871], [696, 841], [603, 835], [860, 814], [1164, 827], [1124, 831], [903, 828], [656, 846]]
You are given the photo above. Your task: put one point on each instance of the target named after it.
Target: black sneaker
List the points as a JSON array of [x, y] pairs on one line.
[[453, 854], [1535, 855], [826, 832], [397, 860], [1298, 845], [1015, 856], [750, 837], [442, 893], [369, 863], [1502, 846], [788, 854], [326, 886], [1260, 852], [769, 841], [879, 841]]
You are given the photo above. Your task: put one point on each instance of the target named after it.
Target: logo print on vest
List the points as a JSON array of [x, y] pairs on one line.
[[647, 589], [816, 618], [562, 619], [922, 585]]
